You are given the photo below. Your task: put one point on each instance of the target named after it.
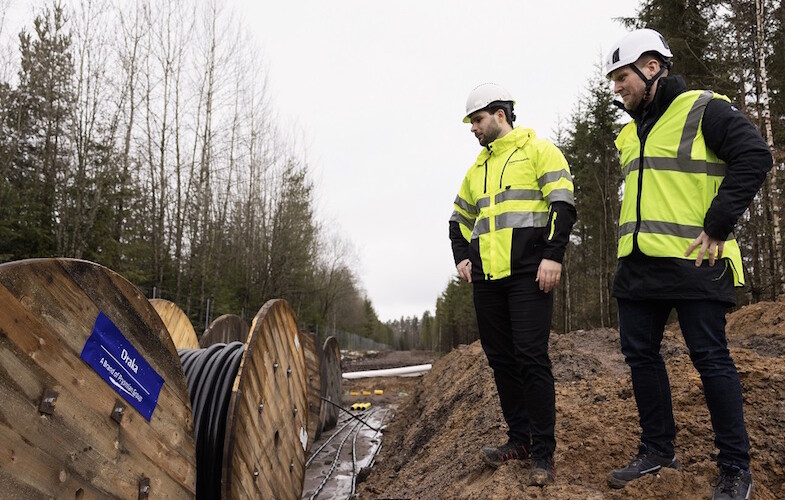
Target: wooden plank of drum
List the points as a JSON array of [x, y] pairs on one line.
[[226, 329], [180, 328], [313, 367], [333, 391]]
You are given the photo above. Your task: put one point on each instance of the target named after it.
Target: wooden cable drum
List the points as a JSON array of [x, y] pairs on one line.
[[250, 407], [227, 328], [316, 384], [332, 375], [94, 401], [268, 412], [178, 324]]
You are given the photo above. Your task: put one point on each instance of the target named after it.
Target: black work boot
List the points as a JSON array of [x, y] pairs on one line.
[[734, 484], [645, 462], [543, 472], [498, 455]]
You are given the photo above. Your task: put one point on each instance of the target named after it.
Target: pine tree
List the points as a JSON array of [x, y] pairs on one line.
[[777, 77], [9, 199], [40, 132], [456, 321], [693, 38], [428, 338], [755, 35], [591, 154]]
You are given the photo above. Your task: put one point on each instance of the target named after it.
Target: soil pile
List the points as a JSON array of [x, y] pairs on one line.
[[759, 327], [431, 447]]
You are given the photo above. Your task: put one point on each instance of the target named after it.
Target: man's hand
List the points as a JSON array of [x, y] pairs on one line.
[[464, 268], [548, 275], [707, 244]]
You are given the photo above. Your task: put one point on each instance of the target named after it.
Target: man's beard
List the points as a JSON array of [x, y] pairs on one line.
[[490, 136]]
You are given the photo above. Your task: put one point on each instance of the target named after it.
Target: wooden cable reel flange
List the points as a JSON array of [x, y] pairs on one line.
[[316, 384], [66, 432], [226, 328], [266, 436], [333, 390], [179, 326]]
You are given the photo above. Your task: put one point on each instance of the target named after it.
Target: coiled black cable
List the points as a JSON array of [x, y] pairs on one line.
[[210, 374]]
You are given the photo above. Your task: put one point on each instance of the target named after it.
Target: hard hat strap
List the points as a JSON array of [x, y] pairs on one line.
[[650, 81]]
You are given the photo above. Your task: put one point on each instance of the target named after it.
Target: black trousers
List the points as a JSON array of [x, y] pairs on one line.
[[702, 322], [514, 319]]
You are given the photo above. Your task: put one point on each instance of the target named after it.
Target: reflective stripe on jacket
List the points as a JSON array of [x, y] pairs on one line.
[[504, 204], [667, 194]]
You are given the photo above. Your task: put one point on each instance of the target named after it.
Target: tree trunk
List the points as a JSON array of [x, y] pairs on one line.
[[776, 255]]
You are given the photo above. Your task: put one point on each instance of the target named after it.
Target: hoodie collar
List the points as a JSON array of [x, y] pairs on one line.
[[667, 89], [517, 137]]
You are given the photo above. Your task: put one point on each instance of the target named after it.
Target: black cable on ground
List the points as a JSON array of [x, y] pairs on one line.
[[371, 462], [210, 374], [336, 459], [350, 414], [337, 431]]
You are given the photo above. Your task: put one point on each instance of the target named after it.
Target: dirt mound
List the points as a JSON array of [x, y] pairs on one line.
[[431, 448], [759, 327], [761, 319]]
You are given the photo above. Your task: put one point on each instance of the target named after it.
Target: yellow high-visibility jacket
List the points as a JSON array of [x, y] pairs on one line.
[[670, 182], [514, 208]]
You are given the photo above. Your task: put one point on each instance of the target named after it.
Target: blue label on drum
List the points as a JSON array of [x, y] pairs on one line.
[[122, 367]]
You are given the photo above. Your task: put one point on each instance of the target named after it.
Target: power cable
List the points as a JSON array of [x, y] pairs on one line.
[[351, 414], [373, 457], [336, 459], [210, 375], [319, 449]]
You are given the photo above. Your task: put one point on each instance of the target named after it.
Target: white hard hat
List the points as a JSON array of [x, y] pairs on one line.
[[483, 95], [633, 45]]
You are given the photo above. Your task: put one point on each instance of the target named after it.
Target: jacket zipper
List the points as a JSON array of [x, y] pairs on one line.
[[485, 191], [501, 177], [642, 137], [638, 201], [485, 183]]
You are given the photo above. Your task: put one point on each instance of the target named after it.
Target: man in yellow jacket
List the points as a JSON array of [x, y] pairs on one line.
[[510, 226], [692, 164]]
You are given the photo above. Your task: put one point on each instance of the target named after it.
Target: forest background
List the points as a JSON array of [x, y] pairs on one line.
[[139, 135]]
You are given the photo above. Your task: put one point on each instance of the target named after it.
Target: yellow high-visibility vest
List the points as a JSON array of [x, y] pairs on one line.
[[667, 195], [511, 185]]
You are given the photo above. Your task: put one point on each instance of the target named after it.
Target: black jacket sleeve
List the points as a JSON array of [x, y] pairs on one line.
[[560, 221], [738, 143], [460, 247]]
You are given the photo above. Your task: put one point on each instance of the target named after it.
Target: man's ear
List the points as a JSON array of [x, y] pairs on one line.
[[653, 66]]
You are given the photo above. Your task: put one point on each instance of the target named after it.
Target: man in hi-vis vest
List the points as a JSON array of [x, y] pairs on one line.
[[509, 229], [692, 164]]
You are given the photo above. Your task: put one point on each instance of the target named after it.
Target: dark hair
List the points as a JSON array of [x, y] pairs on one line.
[[505, 106], [664, 61]]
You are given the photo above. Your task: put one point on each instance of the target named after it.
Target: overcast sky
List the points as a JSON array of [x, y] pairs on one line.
[[379, 90]]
